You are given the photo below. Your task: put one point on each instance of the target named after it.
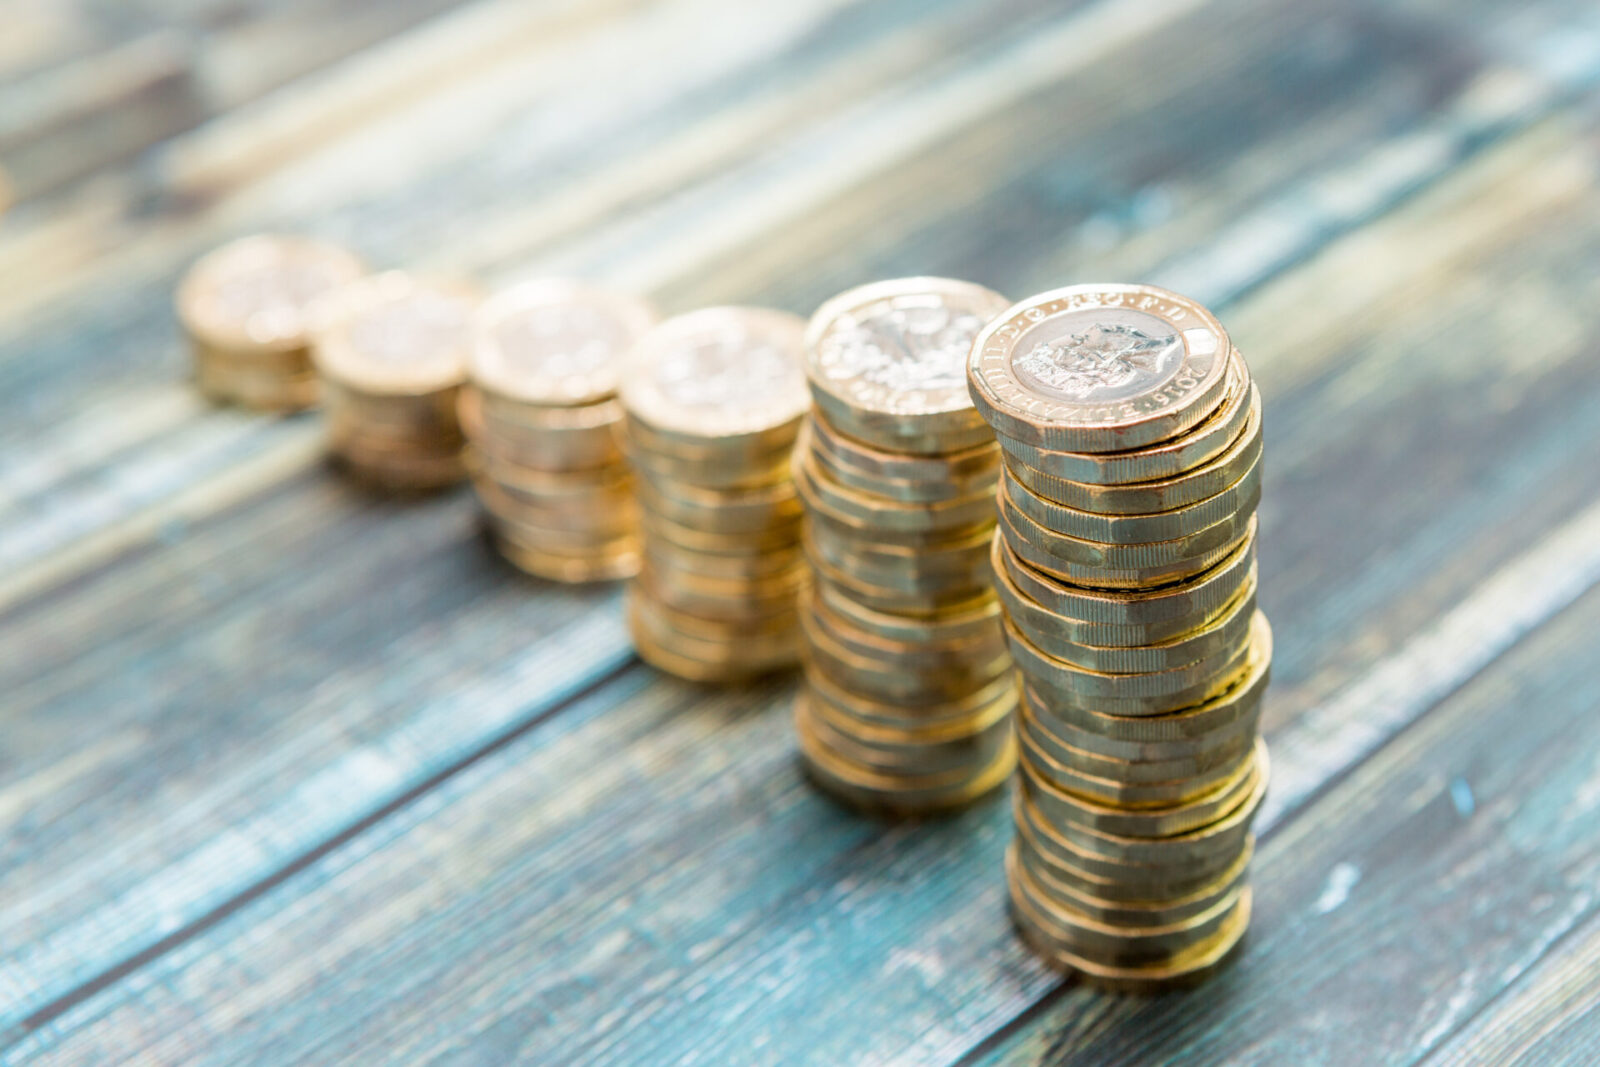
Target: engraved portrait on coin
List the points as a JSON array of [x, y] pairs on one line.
[[1099, 355]]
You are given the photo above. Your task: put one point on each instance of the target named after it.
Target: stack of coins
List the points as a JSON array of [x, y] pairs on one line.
[[247, 310], [909, 690], [712, 402], [1125, 562], [544, 422], [391, 352]]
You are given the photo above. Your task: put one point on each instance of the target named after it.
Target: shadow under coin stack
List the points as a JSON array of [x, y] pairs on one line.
[[246, 308], [392, 355], [909, 690], [712, 402], [544, 422], [1125, 561]]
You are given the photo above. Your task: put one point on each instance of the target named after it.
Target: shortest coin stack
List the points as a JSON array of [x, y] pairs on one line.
[[247, 310], [1125, 562], [545, 424], [909, 690], [392, 355], [712, 403]]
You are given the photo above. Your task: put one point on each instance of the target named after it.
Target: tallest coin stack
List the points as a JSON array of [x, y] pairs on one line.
[[1125, 564]]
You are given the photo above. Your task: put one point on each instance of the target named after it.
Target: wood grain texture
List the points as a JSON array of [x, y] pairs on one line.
[[337, 804]]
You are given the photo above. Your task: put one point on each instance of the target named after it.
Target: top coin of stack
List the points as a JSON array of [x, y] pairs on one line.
[[712, 402], [542, 415], [391, 352], [908, 697], [247, 310], [1125, 562]]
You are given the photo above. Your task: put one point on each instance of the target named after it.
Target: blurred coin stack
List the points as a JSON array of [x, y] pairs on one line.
[[909, 690], [544, 423], [712, 402], [391, 352], [247, 310], [1125, 562]]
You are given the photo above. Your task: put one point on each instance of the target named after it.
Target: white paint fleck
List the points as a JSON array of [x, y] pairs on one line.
[[1341, 880], [1461, 797], [926, 964], [1455, 1010]]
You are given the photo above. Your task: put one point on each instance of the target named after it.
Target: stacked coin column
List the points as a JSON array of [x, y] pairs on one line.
[[712, 403], [392, 356], [909, 691], [545, 427], [1125, 561], [247, 309]]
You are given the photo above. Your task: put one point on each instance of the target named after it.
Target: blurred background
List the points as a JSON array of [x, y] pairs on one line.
[[287, 772]]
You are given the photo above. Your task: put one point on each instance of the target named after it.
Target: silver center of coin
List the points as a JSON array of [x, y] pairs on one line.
[[1101, 355], [559, 342], [903, 349], [727, 371], [270, 301], [421, 328]]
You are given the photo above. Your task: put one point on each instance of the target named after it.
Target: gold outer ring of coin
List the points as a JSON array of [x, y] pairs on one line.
[[756, 565], [606, 485], [753, 603], [1046, 628], [919, 655], [403, 474], [862, 511], [1157, 912], [1165, 408], [980, 617], [1120, 790], [900, 574], [888, 410], [779, 626], [968, 465], [431, 414], [1071, 813], [1165, 459], [1199, 598], [732, 511], [261, 254], [553, 539], [1097, 688], [260, 392], [911, 732], [885, 680], [756, 449], [1163, 735], [515, 378], [901, 492], [1118, 944], [703, 660], [1111, 579], [382, 308], [892, 752], [898, 795], [975, 434], [1238, 499], [1225, 630], [935, 640], [764, 469], [1144, 498], [781, 535], [589, 443], [565, 525], [1221, 748], [683, 344], [1152, 554], [1212, 677], [617, 561], [917, 605], [915, 714], [964, 555], [1120, 880]]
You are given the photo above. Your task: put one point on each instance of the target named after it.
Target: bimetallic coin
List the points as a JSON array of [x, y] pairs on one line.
[[889, 360], [920, 604], [980, 463], [998, 696], [882, 678], [1143, 498], [1099, 368], [700, 659], [1166, 459], [555, 343], [1125, 786], [1055, 747], [395, 335], [577, 438], [979, 618], [1157, 912], [602, 562], [872, 518], [1186, 548], [737, 511], [718, 374], [899, 490], [257, 296], [895, 751]]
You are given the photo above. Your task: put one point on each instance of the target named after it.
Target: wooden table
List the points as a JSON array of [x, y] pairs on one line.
[[293, 774]]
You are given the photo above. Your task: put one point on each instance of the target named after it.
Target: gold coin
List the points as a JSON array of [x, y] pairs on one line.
[[1114, 787], [1229, 470], [1223, 533], [756, 564], [1055, 744], [883, 679], [980, 617], [1099, 689], [980, 463], [749, 453], [564, 540], [583, 438], [841, 711], [1167, 459], [901, 752], [1090, 579], [568, 524], [1067, 643], [775, 538], [1159, 911], [718, 374], [430, 416], [250, 304], [937, 603], [900, 490], [734, 511], [927, 652], [918, 713], [734, 600], [779, 625], [874, 791], [882, 519], [766, 469], [555, 342], [400, 472], [701, 660], [1099, 368], [395, 335], [257, 391], [1200, 598], [886, 361], [608, 562], [912, 575], [1234, 504]]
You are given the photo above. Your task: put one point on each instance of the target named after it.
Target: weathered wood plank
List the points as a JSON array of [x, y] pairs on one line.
[[687, 876], [1551, 1013]]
